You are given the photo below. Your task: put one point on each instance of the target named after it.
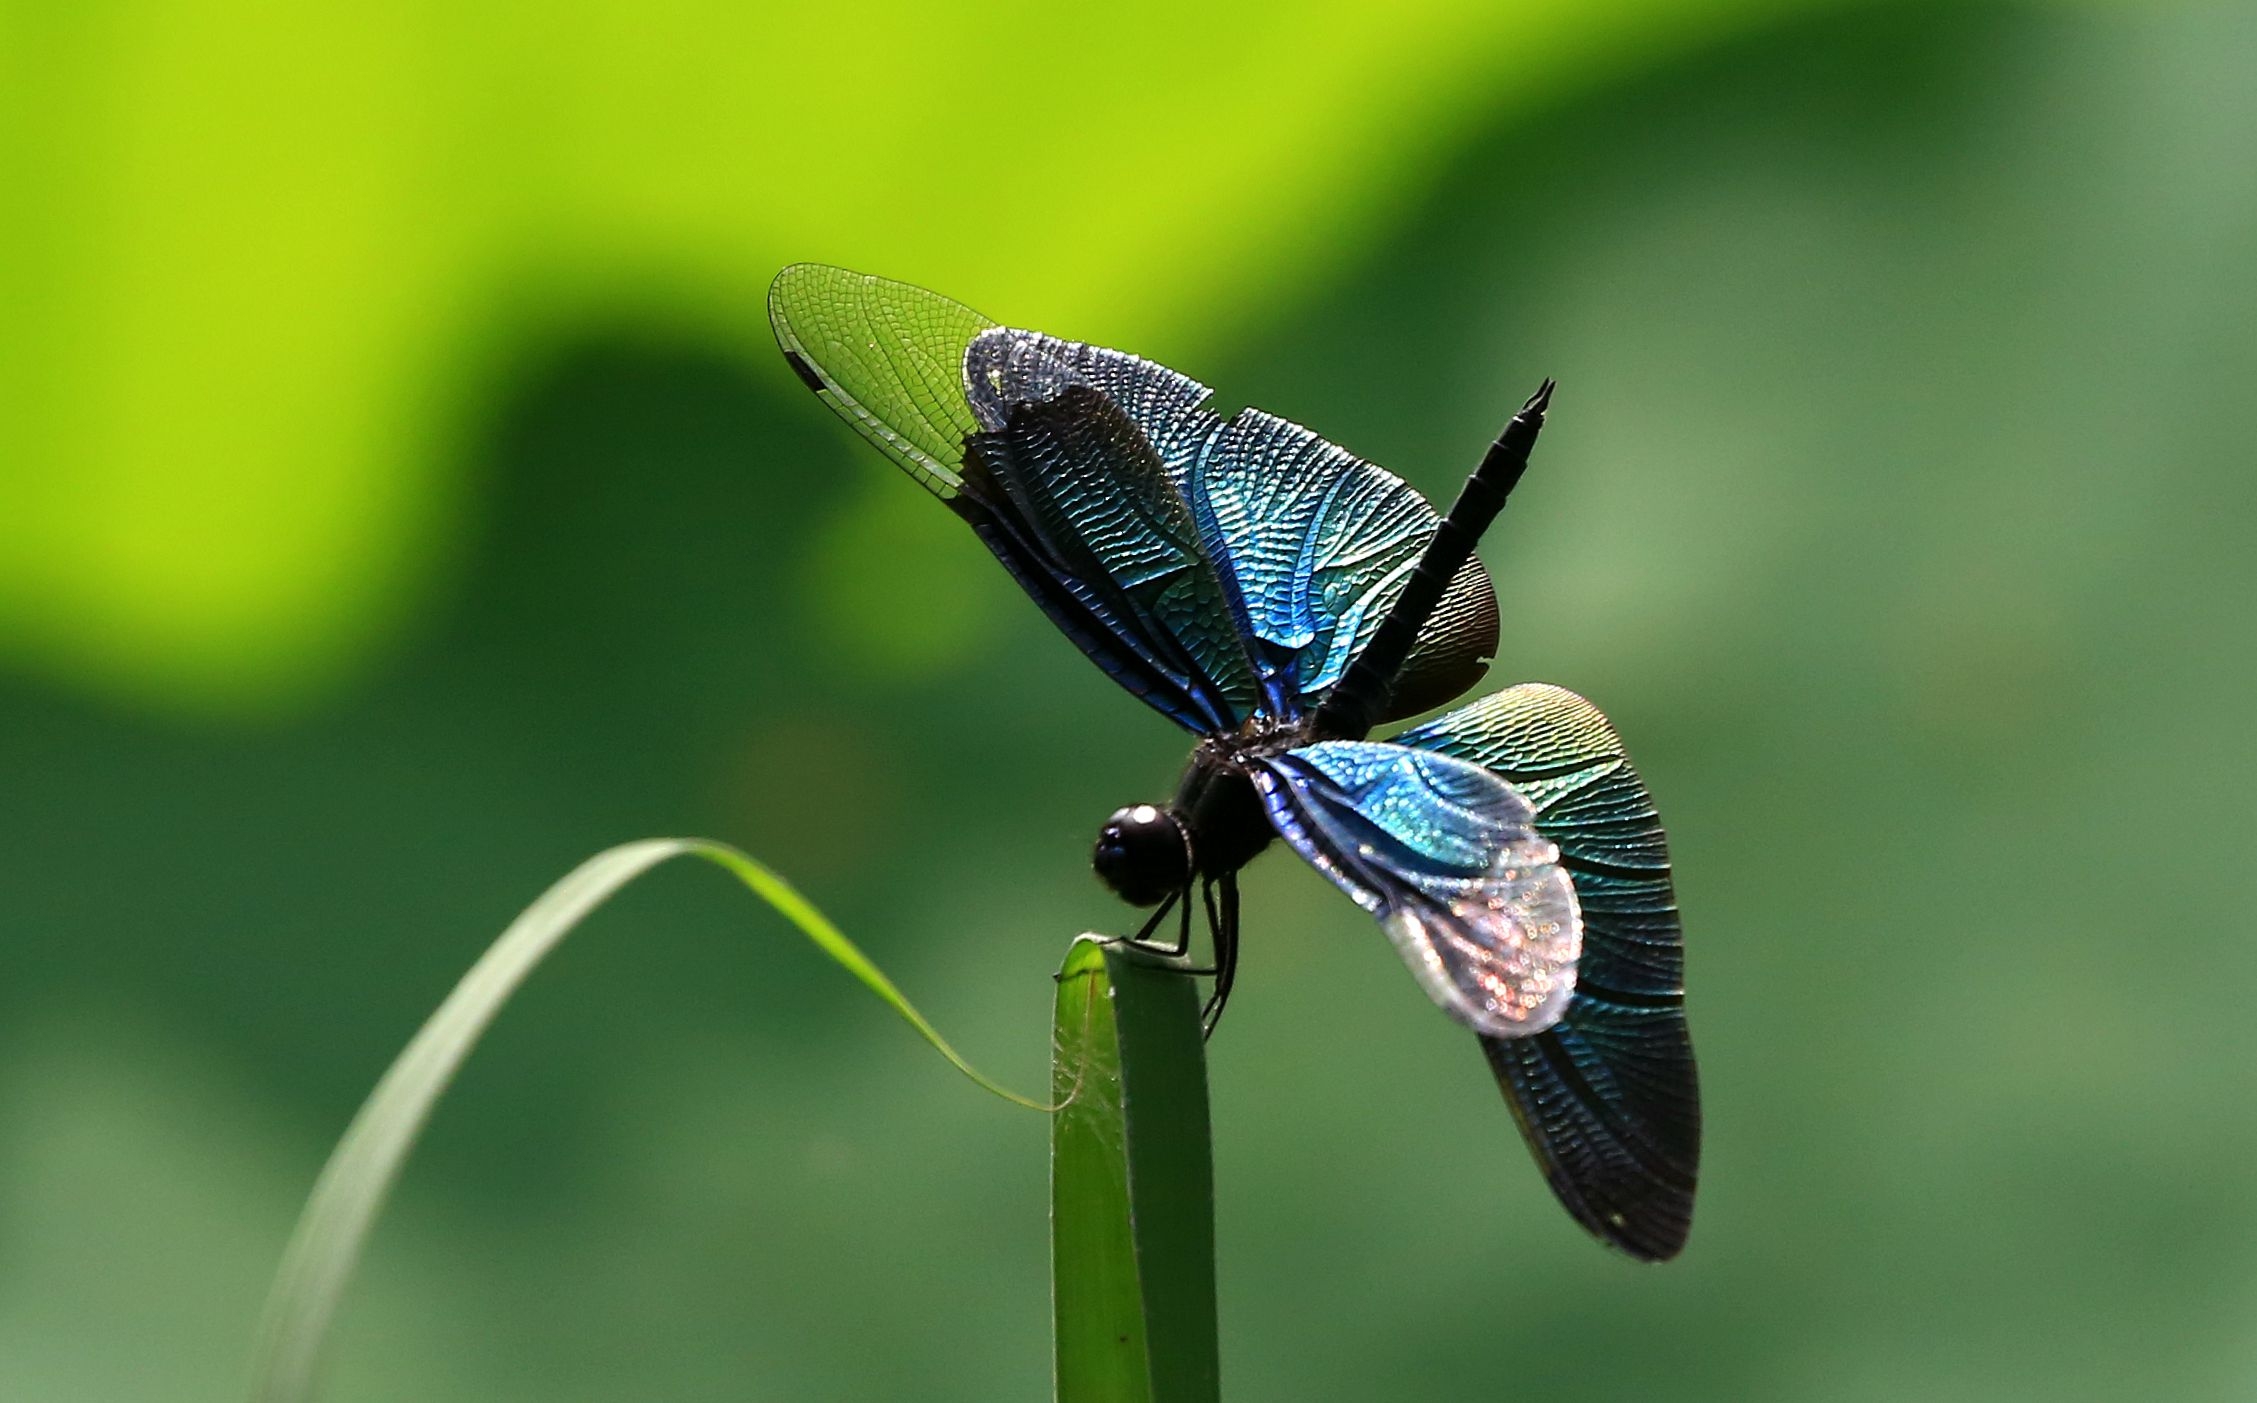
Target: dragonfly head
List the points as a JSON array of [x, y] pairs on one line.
[[1144, 854]]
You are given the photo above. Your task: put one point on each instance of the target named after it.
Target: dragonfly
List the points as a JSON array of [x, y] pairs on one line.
[[1280, 598]]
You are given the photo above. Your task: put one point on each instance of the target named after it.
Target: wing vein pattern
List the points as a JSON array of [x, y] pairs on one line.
[[1287, 551], [1445, 854], [1607, 1097]]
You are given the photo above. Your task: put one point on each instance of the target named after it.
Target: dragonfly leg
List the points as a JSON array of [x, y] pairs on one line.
[[1348, 711], [1207, 895], [1223, 922], [1177, 901]]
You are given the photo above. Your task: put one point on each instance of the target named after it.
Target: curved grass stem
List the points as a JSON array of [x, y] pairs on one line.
[[361, 1171]]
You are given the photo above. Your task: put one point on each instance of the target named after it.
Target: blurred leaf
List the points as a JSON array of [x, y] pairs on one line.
[[367, 1161], [899, 590], [1132, 1194], [266, 263]]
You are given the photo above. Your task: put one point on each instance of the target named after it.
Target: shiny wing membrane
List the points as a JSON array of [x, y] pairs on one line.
[[1311, 543], [1005, 368], [1090, 500], [888, 357], [891, 359], [1607, 1097], [1307, 545], [1320, 544], [1446, 855]]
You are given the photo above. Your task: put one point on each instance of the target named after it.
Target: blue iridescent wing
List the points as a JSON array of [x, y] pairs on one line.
[[1608, 1097], [892, 359], [1446, 855], [1319, 544], [1307, 545], [1312, 543], [1005, 367], [1097, 508]]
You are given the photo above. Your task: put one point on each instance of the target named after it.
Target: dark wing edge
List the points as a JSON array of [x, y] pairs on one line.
[[1609, 1097], [1607, 1102], [1453, 649], [1074, 499], [887, 357]]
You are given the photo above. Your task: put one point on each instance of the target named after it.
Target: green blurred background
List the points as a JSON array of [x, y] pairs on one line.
[[400, 499]]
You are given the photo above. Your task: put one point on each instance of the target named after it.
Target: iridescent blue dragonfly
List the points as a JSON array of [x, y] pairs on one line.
[[1278, 597]]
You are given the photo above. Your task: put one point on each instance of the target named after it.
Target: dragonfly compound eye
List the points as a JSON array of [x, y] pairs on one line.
[[1143, 854]]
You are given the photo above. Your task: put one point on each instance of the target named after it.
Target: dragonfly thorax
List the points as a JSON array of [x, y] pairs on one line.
[[1216, 825]]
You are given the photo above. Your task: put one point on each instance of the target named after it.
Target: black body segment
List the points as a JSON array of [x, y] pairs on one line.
[[1362, 696]]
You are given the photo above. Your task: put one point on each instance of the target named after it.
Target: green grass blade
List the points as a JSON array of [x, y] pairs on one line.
[[1131, 1183], [362, 1169]]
